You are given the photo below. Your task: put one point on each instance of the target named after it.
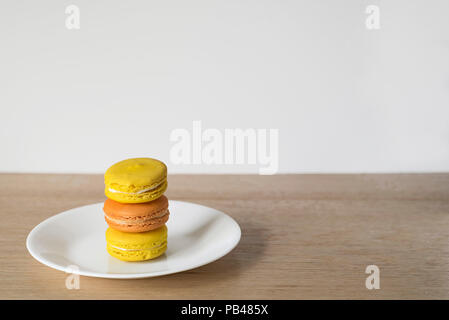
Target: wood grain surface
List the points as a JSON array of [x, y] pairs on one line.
[[303, 237]]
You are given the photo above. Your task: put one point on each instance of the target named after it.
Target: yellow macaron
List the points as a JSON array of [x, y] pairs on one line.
[[136, 246], [136, 180]]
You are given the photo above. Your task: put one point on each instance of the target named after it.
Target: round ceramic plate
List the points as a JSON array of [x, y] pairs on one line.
[[74, 241]]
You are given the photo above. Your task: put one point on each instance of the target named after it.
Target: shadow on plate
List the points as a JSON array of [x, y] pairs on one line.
[[248, 252]]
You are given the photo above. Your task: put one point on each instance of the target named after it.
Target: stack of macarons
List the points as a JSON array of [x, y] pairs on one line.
[[136, 209]]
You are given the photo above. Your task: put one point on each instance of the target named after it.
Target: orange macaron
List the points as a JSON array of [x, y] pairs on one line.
[[136, 217]]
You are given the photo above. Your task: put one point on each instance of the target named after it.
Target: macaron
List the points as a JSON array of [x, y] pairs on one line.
[[136, 180], [139, 246], [136, 217]]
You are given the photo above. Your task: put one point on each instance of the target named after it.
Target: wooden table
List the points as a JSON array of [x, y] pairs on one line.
[[303, 237]]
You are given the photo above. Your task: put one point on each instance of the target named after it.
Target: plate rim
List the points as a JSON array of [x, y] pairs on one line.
[[125, 275]]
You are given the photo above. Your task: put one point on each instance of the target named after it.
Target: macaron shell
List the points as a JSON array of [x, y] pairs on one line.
[[138, 197], [136, 246], [146, 209], [140, 255], [133, 175]]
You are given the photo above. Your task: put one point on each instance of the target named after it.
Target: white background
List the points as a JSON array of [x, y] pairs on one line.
[[344, 98]]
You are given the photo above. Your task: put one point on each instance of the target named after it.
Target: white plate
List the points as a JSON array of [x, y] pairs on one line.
[[74, 241]]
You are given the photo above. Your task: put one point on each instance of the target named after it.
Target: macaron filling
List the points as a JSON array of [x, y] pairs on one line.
[[138, 192], [163, 244]]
